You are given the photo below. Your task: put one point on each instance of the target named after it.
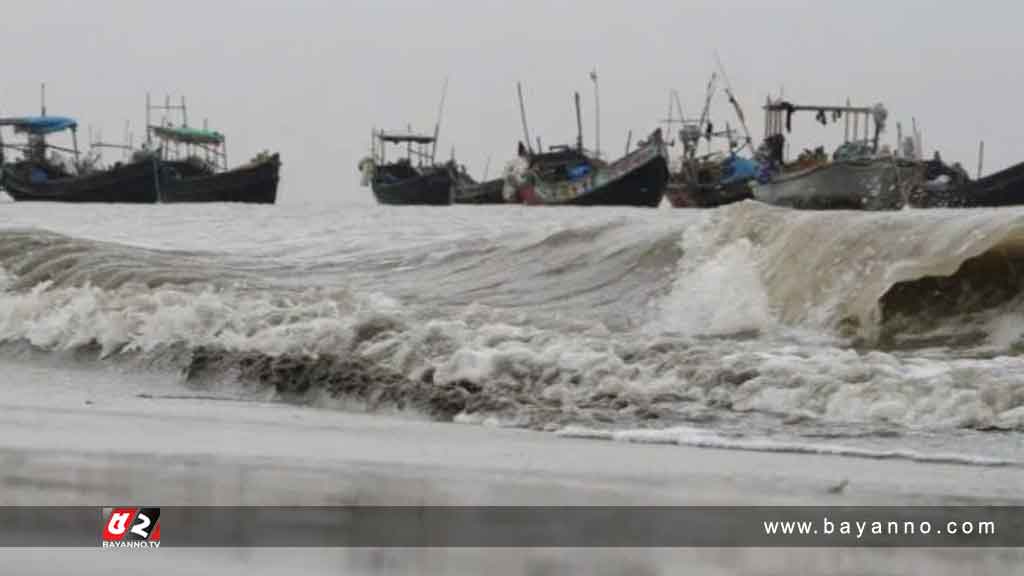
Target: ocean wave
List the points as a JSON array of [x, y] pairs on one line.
[[874, 276], [901, 318]]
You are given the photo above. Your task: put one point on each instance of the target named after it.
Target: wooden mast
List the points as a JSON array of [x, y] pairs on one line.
[[597, 114], [522, 115], [981, 156], [579, 123], [437, 125]]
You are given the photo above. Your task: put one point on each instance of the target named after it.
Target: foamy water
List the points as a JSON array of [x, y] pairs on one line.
[[893, 334]]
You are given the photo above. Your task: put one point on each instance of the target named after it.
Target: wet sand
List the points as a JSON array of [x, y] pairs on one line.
[[84, 440]]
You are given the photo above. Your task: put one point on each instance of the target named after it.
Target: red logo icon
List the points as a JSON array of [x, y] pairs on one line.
[[131, 527]]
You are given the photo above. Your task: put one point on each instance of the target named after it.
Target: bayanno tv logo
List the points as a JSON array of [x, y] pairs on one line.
[[131, 527]]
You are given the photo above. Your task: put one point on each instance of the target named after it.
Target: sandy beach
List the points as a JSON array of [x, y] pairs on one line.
[[88, 445]]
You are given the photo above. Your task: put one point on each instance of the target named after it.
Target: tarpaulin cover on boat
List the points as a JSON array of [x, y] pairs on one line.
[[188, 135], [40, 124], [738, 169]]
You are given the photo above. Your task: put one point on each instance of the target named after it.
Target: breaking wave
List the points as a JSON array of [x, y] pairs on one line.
[[907, 319]]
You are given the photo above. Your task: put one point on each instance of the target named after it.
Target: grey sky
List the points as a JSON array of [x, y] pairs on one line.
[[311, 77]]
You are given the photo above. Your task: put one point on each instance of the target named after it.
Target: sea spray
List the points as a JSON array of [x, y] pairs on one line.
[[598, 319]]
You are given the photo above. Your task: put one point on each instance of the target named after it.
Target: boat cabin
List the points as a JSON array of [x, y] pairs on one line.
[[863, 127], [192, 151], [419, 155], [36, 129], [419, 148]]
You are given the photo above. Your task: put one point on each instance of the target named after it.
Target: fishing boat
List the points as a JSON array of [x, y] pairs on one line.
[[856, 177], [566, 175], [717, 177], [952, 187], [414, 179], [37, 176], [710, 181], [469, 191], [194, 165]]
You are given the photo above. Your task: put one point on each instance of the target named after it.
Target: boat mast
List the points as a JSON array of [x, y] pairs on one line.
[[705, 113], [668, 118], [735, 103], [74, 141], [437, 125], [522, 115], [708, 93], [579, 123], [597, 114], [981, 156], [679, 104]]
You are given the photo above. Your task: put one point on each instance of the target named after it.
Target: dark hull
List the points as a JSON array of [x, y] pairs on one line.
[[682, 193], [638, 179], [483, 193], [642, 187], [129, 183], [1004, 188], [432, 188], [256, 183]]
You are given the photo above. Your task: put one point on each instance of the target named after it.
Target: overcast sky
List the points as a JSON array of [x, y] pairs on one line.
[[311, 78]]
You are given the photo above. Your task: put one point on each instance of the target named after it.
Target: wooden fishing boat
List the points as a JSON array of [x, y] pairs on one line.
[[194, 165], [715, 178], [38, 177], [414, 179], [711, 181], [469, 191], [567, 176], [188, 181], [856, 177], [951, 187]]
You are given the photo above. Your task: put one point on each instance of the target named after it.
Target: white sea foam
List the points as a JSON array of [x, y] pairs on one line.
[[716, 291], [743, 321], [709, 439]]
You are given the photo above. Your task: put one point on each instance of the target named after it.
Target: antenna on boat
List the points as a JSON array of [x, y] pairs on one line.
[[846, 120], [708, 93], [733, 101], [522, 115], [918, 144], [579, 122], [668, 118], [629, 140], [597, 114], [981, 156], [437, 126], [42, 98]]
